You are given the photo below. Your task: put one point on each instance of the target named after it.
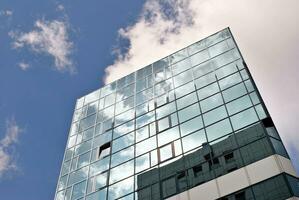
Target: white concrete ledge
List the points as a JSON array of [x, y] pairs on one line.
[[239, 179]]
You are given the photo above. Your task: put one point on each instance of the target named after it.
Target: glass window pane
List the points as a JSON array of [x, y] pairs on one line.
[[120, 189], [165, 110], [78, 175], [122, 171], [203, 68], [83, 147], [124, 105], [163, 124], [160, 64], [92, 108], [244, 118], [244, 74], [230, 81], [187, 100], [142, 133], [142, 163], [91, 97], [196, 47], [99, 166], [294, 184], [227, 69], [181, 66], [218, 48], [211, 102], [255, 99], [124, 117], [234, 92], [144, 96], [62, 182], [189, 112], [238, 105], [87, 122], [100, 180], [123, 129], [214, 115], [109, 99], [145, 119], [205, 80], [194, 140], [168, 136], [79, 190], [72, 141], [279, 148], [218, 130], [102, 139], [65, 168], [146, 145], [249, 86], [163, 87], [260, 111], [123, 142], [154, 157], [166, 152], [199, 57], [108, 113], [122, 156], [177, 56], [185, 89], [79, 102], [191, 125], [182, 78], [125, 92], [97, 195], [83, 159], [208, 91], [226, 58], [88, 134]]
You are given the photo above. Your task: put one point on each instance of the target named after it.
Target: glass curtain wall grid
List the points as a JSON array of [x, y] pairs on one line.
[[175, 124]]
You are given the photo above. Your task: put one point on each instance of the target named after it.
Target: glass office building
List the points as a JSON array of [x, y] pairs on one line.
[[187, 127]]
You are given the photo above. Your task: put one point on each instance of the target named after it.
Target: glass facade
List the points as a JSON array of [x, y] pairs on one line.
[[168, 127]]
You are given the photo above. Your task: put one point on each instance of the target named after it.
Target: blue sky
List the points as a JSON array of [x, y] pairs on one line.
[[52, 52]]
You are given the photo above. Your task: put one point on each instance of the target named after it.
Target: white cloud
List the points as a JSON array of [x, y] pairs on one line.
[[60, 7], [49, 38], [7, 162], [6, 13], [24, 66], [267, 33]]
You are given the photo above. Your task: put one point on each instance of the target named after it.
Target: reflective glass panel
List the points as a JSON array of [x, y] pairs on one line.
[[211, 102], [122, 156], [166, 152], [214, 115], [191, 125], [194, 140], [234, 92], [168, 136], [123, 142], [99, 166], [218, 130], [187, 100], [230, 81], [146, 145], [189, 112], [208, 91], [238, 105], [120, 189], [244, 118], [142, 163], [121, 171], [182, 78]]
